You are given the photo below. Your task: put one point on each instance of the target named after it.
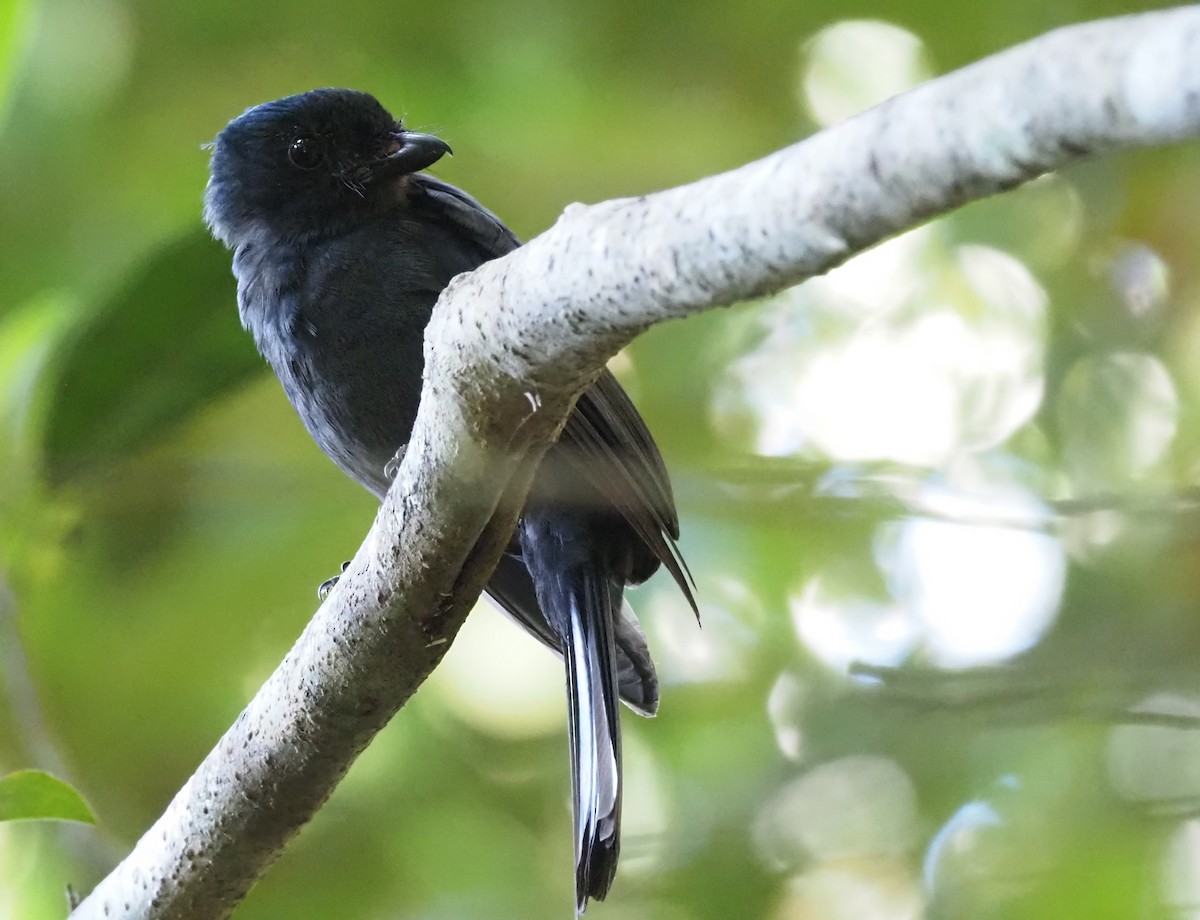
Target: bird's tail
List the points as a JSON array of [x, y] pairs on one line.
[[591, 602]]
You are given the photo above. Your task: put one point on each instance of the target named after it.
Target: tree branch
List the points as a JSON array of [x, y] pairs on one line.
[[511, 344]]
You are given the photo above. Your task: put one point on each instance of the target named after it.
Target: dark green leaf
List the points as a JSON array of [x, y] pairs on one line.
[[164, 346]]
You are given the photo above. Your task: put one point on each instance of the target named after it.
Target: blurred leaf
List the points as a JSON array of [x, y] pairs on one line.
[[13, 21], [28, 334], [164, 347], [32, 795]]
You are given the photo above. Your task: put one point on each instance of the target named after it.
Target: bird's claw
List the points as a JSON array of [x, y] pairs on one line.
[[392, 467], [327, 585]]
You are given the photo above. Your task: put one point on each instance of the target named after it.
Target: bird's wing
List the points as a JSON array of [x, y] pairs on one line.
[[475, 223], [609, 443], [607, 440]]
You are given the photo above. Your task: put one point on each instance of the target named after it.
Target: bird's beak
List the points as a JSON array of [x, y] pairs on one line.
[[410, 152]]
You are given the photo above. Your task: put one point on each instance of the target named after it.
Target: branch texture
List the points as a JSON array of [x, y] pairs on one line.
[[511, 344]]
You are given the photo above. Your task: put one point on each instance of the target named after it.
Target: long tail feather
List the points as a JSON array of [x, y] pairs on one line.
[[593, 602]]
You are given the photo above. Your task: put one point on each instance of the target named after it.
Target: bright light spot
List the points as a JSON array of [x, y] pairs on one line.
[[879, 281], [982, 592], [882, 889], [835, 83], [1118, 414], [840, 627], [1085, 535], [11, 891], [1181, 872], [973, 581], [845, 382], [989, 852], [1141, 279], [785, 709], [957, 842], [929, 369], [1002, 386], [849, 808], [621, 365], [500, 679], [1052, 219], [1157, 763]]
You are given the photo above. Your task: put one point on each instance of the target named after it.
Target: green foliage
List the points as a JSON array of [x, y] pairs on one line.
[[165, 346], [12, 30], [941, 504], [29, 795]]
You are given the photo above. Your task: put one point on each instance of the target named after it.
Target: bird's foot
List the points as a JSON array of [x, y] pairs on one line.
[[392, 467], [326, 586]]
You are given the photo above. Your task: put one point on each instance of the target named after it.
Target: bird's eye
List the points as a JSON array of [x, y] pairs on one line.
[[305, 153]]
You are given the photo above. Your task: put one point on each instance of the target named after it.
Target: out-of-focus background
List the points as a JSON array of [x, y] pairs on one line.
[[942, 504]]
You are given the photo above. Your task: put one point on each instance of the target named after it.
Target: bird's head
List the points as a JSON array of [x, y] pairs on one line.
[[308, 164]]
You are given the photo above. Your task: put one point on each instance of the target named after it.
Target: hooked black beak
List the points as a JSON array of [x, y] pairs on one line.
[[410, 152]]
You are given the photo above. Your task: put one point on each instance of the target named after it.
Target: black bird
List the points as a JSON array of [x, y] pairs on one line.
[[341, 246]]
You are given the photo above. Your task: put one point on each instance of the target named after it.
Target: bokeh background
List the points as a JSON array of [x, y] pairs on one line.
[[942, 504]]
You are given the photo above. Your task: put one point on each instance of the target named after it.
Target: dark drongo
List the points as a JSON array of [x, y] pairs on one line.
[[341, 246]]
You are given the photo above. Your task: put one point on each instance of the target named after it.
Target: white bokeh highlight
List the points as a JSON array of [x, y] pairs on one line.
[[975, 585], [979, 591], [1158, 764], [1119, 414], [1181, 872], [887, 360], [500, 680], [834, 85], [852, 807]]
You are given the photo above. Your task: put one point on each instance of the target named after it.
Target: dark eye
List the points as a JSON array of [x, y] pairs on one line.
[[305, 153]]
